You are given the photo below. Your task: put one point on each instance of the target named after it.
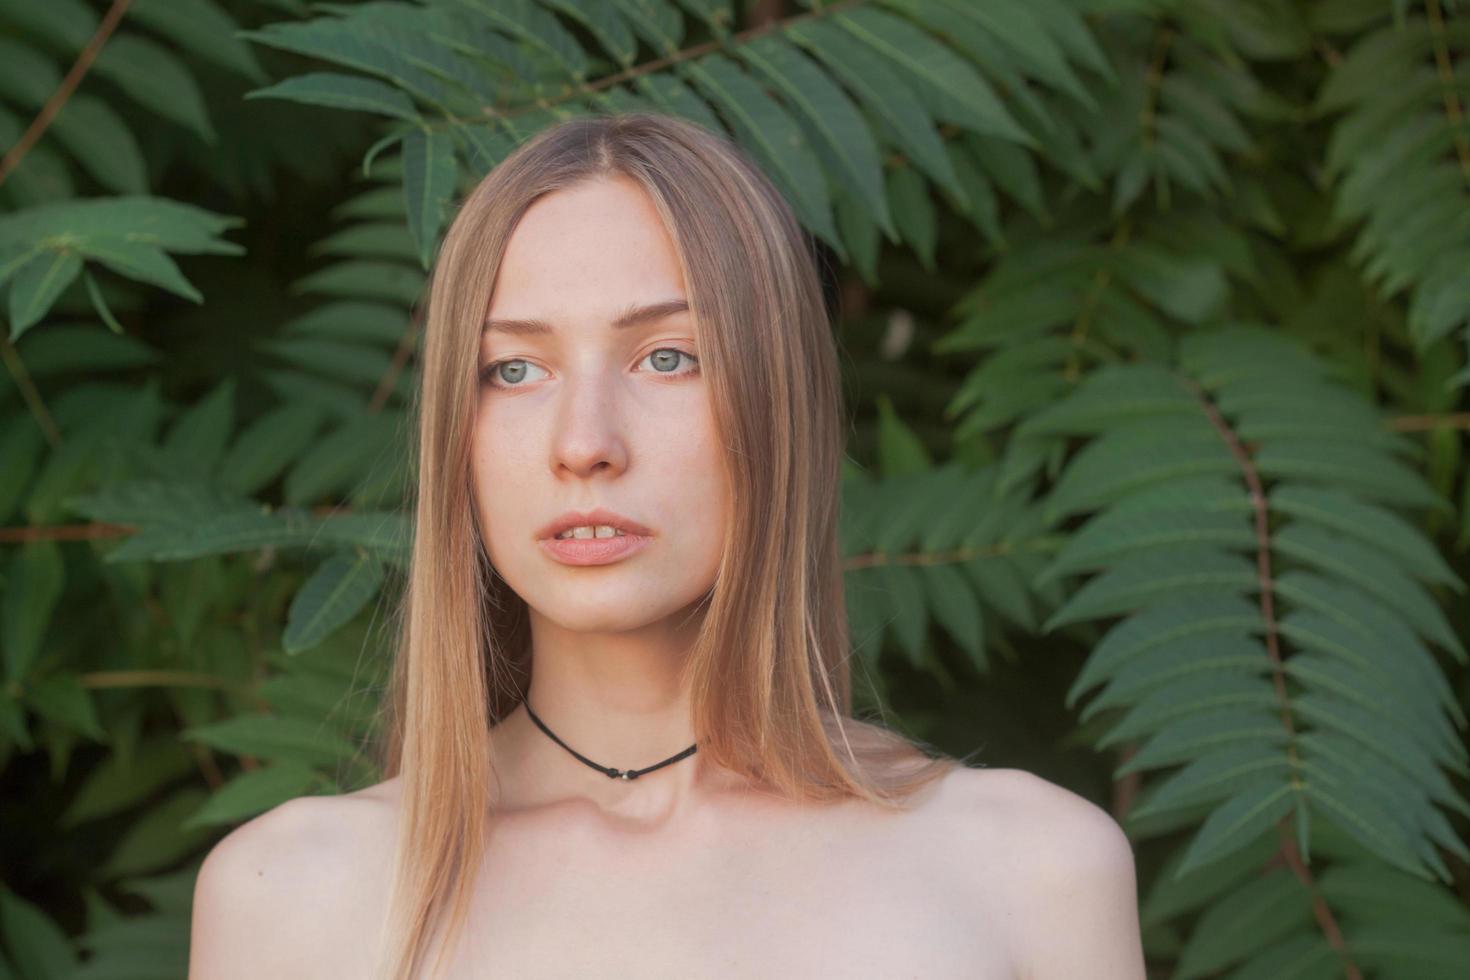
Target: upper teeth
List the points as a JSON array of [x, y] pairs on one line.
[[591, 531]]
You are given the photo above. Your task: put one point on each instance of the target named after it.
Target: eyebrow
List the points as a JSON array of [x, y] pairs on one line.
[[631, 317]]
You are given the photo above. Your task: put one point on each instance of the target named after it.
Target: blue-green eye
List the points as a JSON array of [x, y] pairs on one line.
[[491, 372], [493, 376], [672, 362]]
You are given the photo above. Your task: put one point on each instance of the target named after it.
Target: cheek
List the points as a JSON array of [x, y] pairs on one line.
[[698, 472], [496, 464]]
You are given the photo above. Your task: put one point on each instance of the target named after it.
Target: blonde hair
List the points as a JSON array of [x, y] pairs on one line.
[[768, 673]]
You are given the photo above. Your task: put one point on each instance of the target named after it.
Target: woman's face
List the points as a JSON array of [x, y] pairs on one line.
[[584, 414]]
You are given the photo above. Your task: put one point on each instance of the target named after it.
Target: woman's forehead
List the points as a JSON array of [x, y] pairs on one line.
[[594, 236]]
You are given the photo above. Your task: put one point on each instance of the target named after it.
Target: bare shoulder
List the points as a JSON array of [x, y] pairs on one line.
[[306, 873], [1056, 866]]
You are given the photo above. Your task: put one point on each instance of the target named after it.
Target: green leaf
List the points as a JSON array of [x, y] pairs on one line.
[[61, 698], [918, 222], [1220, 654], [604, 23], [1137, 455], [67, 24], [1214, 776], [159, 838], [342, 458], [353, 363], [1265, 907], [390, 532], [99, 303], [34, 583], [171, 892], [266, 737], [1335, 718], [904, 600], [1185, 738], [429, 175], [536, 26], [356, 42], [268, 445], [38, 945], [1366, 688], [859, 234], [1367, 471], [1012, 169], [948, 77], [363, 280], [143, 262], [1184, 286], [201, 28], [340, 587], [1149, 577], [146, 501], [885, 95], [668, 92], [37, 285], [1121, 532], [233, 531], [1201, 690], [953, 601], [154, 222], [153, 77], [341, 92], [380, 239], [70, 348], [656, 22], [198, 438], [1113, 394], [1377, 527], [1366, 822], [351, 320], [119, 782], [1002, 589], [253, 792], [303, 691], [899, 450], [21, 445], [981, 204], [1357, 633], [101, 143], [1183, 621], [773, 138], [1342, 557], [834, 122]]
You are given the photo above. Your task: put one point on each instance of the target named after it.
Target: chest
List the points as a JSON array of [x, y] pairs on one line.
[[833, 898]]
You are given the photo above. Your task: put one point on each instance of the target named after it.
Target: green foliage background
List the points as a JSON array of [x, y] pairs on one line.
[[1154, 314]]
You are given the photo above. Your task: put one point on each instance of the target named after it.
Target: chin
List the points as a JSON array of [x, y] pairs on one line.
[[596, 620], [605, 608]]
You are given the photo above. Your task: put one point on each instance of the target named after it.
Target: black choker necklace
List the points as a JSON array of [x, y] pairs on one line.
[[606, 770]]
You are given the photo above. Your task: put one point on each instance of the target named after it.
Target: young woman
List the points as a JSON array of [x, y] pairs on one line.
[[633, 755]]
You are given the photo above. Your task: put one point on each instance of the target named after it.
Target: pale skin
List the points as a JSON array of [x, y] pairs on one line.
[[996, 874]]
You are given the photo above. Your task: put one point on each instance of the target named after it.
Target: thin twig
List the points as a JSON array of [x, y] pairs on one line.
[[28, 391], [63, 92]]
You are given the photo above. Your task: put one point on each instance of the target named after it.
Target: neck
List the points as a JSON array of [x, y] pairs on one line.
[[619, 699]]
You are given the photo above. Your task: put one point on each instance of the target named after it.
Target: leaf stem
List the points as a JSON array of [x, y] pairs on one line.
[[63, 91]]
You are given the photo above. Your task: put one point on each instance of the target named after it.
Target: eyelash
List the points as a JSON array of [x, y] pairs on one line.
[[488, 371]]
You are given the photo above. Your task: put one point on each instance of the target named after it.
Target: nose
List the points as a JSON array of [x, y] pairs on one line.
[[589, 436]]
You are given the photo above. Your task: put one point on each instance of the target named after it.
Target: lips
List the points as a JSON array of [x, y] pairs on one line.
[[594, 551], [592, 518]]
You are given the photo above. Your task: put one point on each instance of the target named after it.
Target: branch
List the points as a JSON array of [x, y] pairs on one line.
[[63, 92]]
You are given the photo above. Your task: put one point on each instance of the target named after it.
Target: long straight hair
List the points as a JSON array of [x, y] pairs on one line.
[[768, 672]]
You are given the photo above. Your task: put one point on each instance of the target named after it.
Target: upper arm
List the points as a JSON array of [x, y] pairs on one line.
[[1078, 891], [247, 897]]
